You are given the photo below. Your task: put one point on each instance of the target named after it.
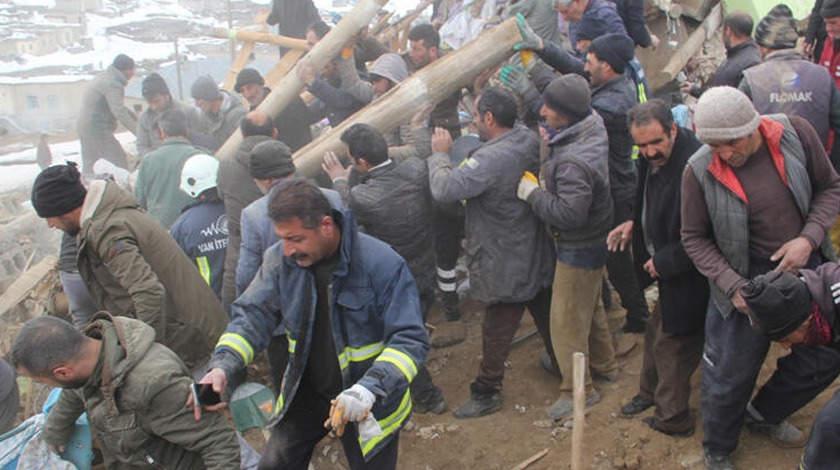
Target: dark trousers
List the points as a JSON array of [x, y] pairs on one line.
[[823, 449], [622, 274], [294, 438], [448, 231], [107, 147], [732, 357], [500, 324], [668, 363], [278, 358], [422, 387]]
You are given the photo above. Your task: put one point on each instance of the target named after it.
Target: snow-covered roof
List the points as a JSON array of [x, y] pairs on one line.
[[44, 79]]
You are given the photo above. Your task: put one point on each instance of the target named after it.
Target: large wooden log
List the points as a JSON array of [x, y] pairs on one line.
[[257, 36], [327, 48], [425, 88]]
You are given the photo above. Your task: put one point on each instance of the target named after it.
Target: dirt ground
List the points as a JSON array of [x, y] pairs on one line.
[[505, 439]]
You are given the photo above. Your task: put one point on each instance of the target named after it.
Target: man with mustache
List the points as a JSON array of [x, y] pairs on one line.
[[674, 333]]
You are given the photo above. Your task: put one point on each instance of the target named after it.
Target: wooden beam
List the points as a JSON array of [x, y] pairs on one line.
[[326, 49], [425, 88], [244, 55], [694, 42], [257, 36], [26, 283]]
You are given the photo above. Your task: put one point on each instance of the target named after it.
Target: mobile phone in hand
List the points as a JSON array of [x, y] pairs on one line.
[[203, 395]]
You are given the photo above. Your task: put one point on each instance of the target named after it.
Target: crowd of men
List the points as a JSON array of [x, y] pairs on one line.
[[210, 262]]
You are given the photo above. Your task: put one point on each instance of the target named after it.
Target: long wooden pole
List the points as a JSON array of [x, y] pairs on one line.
[[258, 36], [578, 372], [290, 85], [425, 88]]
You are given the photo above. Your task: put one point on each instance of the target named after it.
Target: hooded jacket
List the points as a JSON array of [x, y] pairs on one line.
[[132, 267], [823, 283], [220, 126], [135, 404], [377, 327], [509, 249]]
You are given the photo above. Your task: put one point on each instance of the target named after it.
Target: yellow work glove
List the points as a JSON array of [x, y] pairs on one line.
[[527, 185]]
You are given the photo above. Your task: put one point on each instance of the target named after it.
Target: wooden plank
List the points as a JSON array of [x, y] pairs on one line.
[[23, 286], [579, 391], [690, 47], [327, 48], [244, 55], [257, 36]]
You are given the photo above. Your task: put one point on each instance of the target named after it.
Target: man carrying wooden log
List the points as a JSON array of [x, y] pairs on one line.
[[393, 204], [576, 204], [293, 122], [509, 249], [424, 42], [220, 111], [613, 94]]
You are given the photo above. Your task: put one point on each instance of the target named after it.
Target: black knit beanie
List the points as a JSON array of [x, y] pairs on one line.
[[58, 190], [830, 9], [615, 49], [780, 302], [248, 76]]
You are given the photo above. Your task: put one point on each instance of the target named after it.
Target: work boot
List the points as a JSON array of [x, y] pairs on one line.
[[634, 325], [549, 364], [481, 403], [434, 403], [717, 461], [637, 405], [448, 334], [450, 306], [651, 422], [564, 406], [783, 434]]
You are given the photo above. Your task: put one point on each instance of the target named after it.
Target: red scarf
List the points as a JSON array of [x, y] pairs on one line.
[[819, 331]]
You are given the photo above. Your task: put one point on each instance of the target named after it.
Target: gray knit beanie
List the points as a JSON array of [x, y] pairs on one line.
[[205, 88], [569, 95], [724, 113]]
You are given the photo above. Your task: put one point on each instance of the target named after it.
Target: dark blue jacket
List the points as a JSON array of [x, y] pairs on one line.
[[202, 232], [376, 323]]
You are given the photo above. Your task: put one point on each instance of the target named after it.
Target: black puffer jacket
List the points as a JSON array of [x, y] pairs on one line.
[[613, 100], [394, 204]]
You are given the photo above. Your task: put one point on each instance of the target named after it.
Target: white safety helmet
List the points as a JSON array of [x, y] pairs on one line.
[[199, 174]]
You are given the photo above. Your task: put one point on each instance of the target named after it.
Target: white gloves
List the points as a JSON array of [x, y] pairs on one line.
[[355, 402], [527, 185]]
